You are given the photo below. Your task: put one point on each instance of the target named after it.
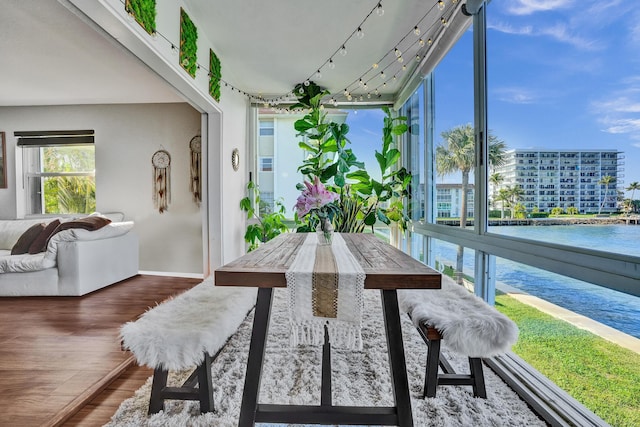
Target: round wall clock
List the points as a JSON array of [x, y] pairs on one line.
[[235, 159]]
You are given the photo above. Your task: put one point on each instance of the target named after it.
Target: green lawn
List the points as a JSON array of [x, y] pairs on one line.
[[601, 375]]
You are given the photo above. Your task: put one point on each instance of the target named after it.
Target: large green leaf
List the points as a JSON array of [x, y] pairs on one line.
[[302, 125], [399, 129], [359, 175]]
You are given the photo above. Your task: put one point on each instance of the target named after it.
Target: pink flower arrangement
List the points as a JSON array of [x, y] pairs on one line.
[[314, 199]]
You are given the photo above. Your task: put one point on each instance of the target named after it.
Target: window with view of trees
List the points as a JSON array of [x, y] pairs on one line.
[[59, 174]]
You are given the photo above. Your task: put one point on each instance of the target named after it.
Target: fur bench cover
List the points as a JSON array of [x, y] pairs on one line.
[[468, 324], [175, 334]]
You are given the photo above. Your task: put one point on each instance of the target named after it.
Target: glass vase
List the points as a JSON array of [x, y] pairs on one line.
[[324, 232]]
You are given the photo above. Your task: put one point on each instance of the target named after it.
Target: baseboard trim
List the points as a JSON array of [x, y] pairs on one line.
[[172, 274]]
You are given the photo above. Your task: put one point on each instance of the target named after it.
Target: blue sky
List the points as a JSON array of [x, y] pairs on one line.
[[561, 73]]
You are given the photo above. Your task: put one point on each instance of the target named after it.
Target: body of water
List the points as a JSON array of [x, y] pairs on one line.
[[618, 310]]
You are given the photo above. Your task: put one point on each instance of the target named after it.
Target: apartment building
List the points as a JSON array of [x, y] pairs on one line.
[[563, 178]]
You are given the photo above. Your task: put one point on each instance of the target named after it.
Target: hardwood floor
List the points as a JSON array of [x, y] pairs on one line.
[[58, 354]]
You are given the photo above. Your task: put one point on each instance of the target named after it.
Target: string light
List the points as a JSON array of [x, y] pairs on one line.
[[359, 33]]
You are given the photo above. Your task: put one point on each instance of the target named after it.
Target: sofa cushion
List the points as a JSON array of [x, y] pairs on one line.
[[40, 242], [25, 240]]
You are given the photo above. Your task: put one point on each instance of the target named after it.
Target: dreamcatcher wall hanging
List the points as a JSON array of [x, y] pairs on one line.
[[161, 161], [196, 155]]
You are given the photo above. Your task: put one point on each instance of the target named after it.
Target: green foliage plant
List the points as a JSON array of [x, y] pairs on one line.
[[557, 211], [572, 210], [144, 12], [188, 44], [215, 75], [269, 223], [363, 200]]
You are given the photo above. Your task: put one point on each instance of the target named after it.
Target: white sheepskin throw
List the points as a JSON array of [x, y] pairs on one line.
[[468, 324], [175, 334]]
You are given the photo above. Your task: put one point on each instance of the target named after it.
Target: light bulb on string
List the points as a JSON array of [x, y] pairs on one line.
[[349, 97], [400, 59], [416, 30], [382, 75], [332, 64], [395, 78], [379, 9], [307, 82], [429, 42], [440, 5], [376, 92], [301, 90], [444, 22], [343, 51], [369, 95], [360, 33], [318, 75], [361, 83], [417, 57], [397, 52], [404, 68], [346, 92], [375, 65], [421, 42], [365, 87]]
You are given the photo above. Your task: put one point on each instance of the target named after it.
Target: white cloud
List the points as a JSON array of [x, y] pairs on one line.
[[561, 33], [527, 7], [618, 126], [619, 105], [510, 29], [515, 95]]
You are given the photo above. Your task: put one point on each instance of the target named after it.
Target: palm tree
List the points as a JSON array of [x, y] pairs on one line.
[[516, 194], [457, 154], [503, 197], [606, 181], [633, 187], [495, 179]]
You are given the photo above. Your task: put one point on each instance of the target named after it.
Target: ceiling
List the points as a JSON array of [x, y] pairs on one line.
[[51, 57]]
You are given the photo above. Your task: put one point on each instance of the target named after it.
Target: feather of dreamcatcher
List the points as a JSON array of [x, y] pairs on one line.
[[161, 161], [196, 155]]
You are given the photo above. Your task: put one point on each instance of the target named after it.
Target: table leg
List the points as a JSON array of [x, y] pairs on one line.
[[256, 357], [397, 362]]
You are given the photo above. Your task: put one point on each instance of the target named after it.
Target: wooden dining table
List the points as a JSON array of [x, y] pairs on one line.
[[387, 269]]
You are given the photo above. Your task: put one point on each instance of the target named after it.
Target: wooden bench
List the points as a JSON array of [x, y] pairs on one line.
[[185, 332], [468, 326]]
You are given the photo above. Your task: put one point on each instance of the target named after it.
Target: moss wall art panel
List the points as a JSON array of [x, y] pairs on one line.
[[144, 12], [188, 44], [215, 75]]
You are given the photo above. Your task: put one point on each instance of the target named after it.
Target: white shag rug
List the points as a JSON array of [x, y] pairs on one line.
[[292, 376]]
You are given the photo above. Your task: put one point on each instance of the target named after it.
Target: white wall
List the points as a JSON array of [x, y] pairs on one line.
[[126, 137]]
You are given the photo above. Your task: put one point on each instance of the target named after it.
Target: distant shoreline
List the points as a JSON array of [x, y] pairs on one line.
[[613, 220]]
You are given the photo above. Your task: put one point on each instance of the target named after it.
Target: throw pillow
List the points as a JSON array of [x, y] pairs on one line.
[[40, 243], [25, 240], [90, 223]]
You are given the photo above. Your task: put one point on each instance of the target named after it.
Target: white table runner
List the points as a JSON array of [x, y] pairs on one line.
[[325, 286]]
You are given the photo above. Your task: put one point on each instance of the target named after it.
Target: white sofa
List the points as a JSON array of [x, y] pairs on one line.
[[76, 261]]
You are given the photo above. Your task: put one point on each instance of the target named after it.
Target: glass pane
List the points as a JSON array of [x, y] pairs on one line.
[[578, 354], [68, 159], [454, 261], [69, 194], [568, 133], [454, 135]]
